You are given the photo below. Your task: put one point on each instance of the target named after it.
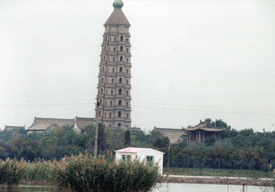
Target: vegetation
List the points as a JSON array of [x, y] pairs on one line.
[[244, 149], [82, 173]]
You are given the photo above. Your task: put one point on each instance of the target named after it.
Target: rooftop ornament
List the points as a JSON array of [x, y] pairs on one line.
[[118, 4]]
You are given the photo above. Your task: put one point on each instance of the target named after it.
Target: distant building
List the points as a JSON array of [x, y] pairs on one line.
[[13, 128], [202, 131], [40, 125], [81, 122], [147, 154], [173, 134]]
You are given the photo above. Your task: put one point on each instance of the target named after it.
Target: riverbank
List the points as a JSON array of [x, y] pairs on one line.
[[218, 180]]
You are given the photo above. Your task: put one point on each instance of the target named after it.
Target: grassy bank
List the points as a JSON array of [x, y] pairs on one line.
[[219, 172]]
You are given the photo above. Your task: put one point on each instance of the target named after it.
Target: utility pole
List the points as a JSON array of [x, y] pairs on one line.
[[96, 130], [168, 162]]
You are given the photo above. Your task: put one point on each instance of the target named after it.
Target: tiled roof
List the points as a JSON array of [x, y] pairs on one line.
[[44, 123], [14, 127], [205, 127], [117, 18], [82, 122]]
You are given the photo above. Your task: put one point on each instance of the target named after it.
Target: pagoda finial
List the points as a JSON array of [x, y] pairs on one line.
[[118, 4]]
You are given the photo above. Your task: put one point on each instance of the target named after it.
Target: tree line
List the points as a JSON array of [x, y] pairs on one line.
[[244, 149]]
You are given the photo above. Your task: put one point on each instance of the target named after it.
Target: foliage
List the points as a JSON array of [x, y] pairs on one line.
[[11, 171], [127, 138], [84, 173]]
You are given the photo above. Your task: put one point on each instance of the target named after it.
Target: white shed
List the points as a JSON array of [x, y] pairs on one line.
[[141, 153]]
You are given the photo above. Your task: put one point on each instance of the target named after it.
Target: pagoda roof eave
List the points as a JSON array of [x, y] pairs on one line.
[[204, 129]]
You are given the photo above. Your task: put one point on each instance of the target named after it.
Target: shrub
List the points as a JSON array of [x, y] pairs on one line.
[[84, 173], [39, 172], [11, 171]]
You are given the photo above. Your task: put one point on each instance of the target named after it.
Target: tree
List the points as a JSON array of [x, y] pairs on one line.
[[127, 138], [102, 144]]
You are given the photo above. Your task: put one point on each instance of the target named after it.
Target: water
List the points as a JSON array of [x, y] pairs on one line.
[[30, 188], [166, 187], [185, 187]]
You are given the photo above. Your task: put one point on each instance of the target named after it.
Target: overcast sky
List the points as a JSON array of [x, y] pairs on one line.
[[191, 60]]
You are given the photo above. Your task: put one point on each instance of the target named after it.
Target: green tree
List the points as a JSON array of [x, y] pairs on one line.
[[127, 138]]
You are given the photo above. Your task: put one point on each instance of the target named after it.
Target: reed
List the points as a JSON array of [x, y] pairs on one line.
[[84, 173], [11, 171], [39, 172]]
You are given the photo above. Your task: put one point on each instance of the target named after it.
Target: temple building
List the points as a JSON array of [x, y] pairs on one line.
[[114, 79], [202, 131], [174, 135]]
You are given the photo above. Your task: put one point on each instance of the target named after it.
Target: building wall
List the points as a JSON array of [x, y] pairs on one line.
[[142, 155]]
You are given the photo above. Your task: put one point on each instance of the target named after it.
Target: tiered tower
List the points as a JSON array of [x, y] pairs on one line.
[[114, 79]]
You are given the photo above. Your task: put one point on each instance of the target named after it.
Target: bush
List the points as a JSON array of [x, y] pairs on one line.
[[84, 173], [39, 172], [11, 171]]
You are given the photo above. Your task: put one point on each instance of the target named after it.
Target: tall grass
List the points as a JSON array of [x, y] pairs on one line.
[[11, 171], [84, 173], [39, 172]]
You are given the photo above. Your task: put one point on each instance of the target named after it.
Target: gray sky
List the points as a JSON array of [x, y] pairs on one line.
[[191, 59]]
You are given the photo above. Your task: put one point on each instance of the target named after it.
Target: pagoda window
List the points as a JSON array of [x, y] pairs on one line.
[[113, 70], [110, 115], [121, 58], [115, 39], [121, 38], [101, 91], [119, 124], [111, 103], [121, 48], [109, 125], [112, 92], [120, 80], [127, 50], [114, 49], [127, 60], [120, 91], [127, 104], [126, 92], [127, 40], [112, 81], [105, 48], [119, 114], [127, 70], [127, 116], [102, 80], [127, 81], [119, 102], [114, 59], [120, 69]]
